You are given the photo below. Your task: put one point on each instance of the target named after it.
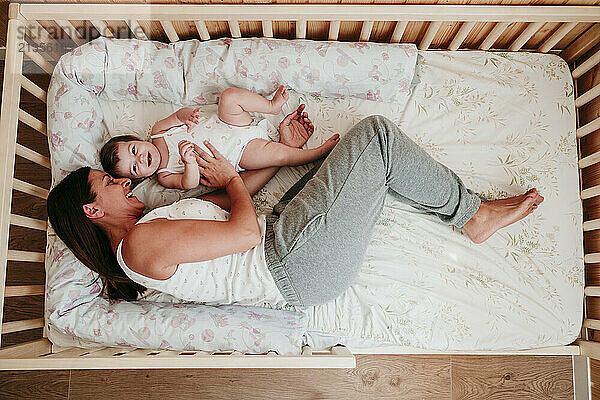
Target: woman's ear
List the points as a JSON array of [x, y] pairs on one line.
[[92, 212]]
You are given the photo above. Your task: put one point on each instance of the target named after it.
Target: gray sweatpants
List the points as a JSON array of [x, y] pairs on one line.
[[319, 232]]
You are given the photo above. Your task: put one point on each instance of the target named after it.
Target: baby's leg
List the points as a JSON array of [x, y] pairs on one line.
[[260, 153], [235, 105]]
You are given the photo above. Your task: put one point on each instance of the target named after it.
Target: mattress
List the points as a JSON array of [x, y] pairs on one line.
[[504, 122]]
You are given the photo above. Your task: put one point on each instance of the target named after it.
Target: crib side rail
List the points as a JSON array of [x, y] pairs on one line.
[[584, 54], [444, 27], [36, 355], [11, 116]]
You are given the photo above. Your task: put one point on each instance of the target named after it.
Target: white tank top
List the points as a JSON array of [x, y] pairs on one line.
[[229, 140], [241, 278]]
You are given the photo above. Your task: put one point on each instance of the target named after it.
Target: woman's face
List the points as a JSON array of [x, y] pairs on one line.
[[113, 197]]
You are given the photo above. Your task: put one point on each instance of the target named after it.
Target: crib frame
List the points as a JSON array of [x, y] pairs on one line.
[[40, 353]]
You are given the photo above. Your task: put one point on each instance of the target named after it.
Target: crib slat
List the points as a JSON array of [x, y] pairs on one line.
[[582, 45], [586, 65], [38, 34], [591, 258], [365, 31], [23, 290], [334, 30], [26, 222], [37, 58], [587, 96], [560, 33], [592, 291], [33, 156], [301, 29], [23, 325], [591, 225], [234, 29], [398, 31], [137, 30], [26, 256], [69, 352], [33, 88], [461, 35], [589, 160], [28, 188], [102, 28], [70, 30], [590, 192], [588, 128], [494, 34], [170, 31], [202, 31], [430, 34], [105, 352], [32, 121], [531, 29], [267, 27], [31, 349], [591, 323]]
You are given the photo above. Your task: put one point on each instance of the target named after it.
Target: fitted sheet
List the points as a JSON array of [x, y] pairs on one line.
[[504, 122]]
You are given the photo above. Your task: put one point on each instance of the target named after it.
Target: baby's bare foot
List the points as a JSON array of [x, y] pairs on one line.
[[279, 99], [496, 214]]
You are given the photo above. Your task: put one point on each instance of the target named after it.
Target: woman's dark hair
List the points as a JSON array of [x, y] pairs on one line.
[[108, 154], [86, 240]]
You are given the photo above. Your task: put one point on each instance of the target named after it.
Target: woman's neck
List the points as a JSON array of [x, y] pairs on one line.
[[118, 230]]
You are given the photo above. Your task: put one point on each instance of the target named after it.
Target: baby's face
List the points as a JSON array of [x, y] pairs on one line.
[[137, 159]]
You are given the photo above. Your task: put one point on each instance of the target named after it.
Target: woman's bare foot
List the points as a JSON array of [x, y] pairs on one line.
[[496, 214], [280, 97]]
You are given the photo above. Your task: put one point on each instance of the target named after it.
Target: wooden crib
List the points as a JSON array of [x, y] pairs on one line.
[[40, 31]]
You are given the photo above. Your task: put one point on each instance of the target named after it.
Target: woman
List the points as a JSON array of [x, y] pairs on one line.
[[314, 241]]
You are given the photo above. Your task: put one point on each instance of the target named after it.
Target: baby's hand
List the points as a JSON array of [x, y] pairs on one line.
[[193, 119], [279, 99], [186, 151]]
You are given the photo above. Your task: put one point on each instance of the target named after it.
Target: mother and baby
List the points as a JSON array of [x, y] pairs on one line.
[[306, 252]]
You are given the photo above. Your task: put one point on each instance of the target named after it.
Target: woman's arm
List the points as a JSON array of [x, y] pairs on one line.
[[254, 181], [154, 249]]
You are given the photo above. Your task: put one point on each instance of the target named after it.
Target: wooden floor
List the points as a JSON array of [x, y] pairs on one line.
[[376, 377]]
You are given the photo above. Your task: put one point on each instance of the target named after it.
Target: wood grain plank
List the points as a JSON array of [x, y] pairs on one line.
[[48, 385], [25, 273], [511, 377], [376, 377], [13, 338], [27, 307]]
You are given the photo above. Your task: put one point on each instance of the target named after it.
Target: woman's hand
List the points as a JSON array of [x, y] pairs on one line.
[[296, 128], [216, 171]]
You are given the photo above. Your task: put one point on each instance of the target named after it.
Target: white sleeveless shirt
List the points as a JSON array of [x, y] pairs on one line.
[[241, 278], [229, 140]]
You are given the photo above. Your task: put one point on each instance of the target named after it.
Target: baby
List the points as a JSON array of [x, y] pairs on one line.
[[171, 154]]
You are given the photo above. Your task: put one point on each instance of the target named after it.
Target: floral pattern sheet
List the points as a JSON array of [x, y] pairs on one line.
[[505, 123]]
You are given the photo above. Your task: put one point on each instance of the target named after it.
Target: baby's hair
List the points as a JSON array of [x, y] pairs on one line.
[[108, 155]]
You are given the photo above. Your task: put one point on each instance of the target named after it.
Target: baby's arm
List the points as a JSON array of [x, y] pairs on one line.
[[190, 178], [260, 153], [178, 118], [235, 105]]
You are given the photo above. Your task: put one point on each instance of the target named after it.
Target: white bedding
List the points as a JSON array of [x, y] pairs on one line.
[[504, 122]]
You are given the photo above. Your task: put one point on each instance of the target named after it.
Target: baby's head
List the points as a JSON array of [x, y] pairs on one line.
[[128, 156]]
